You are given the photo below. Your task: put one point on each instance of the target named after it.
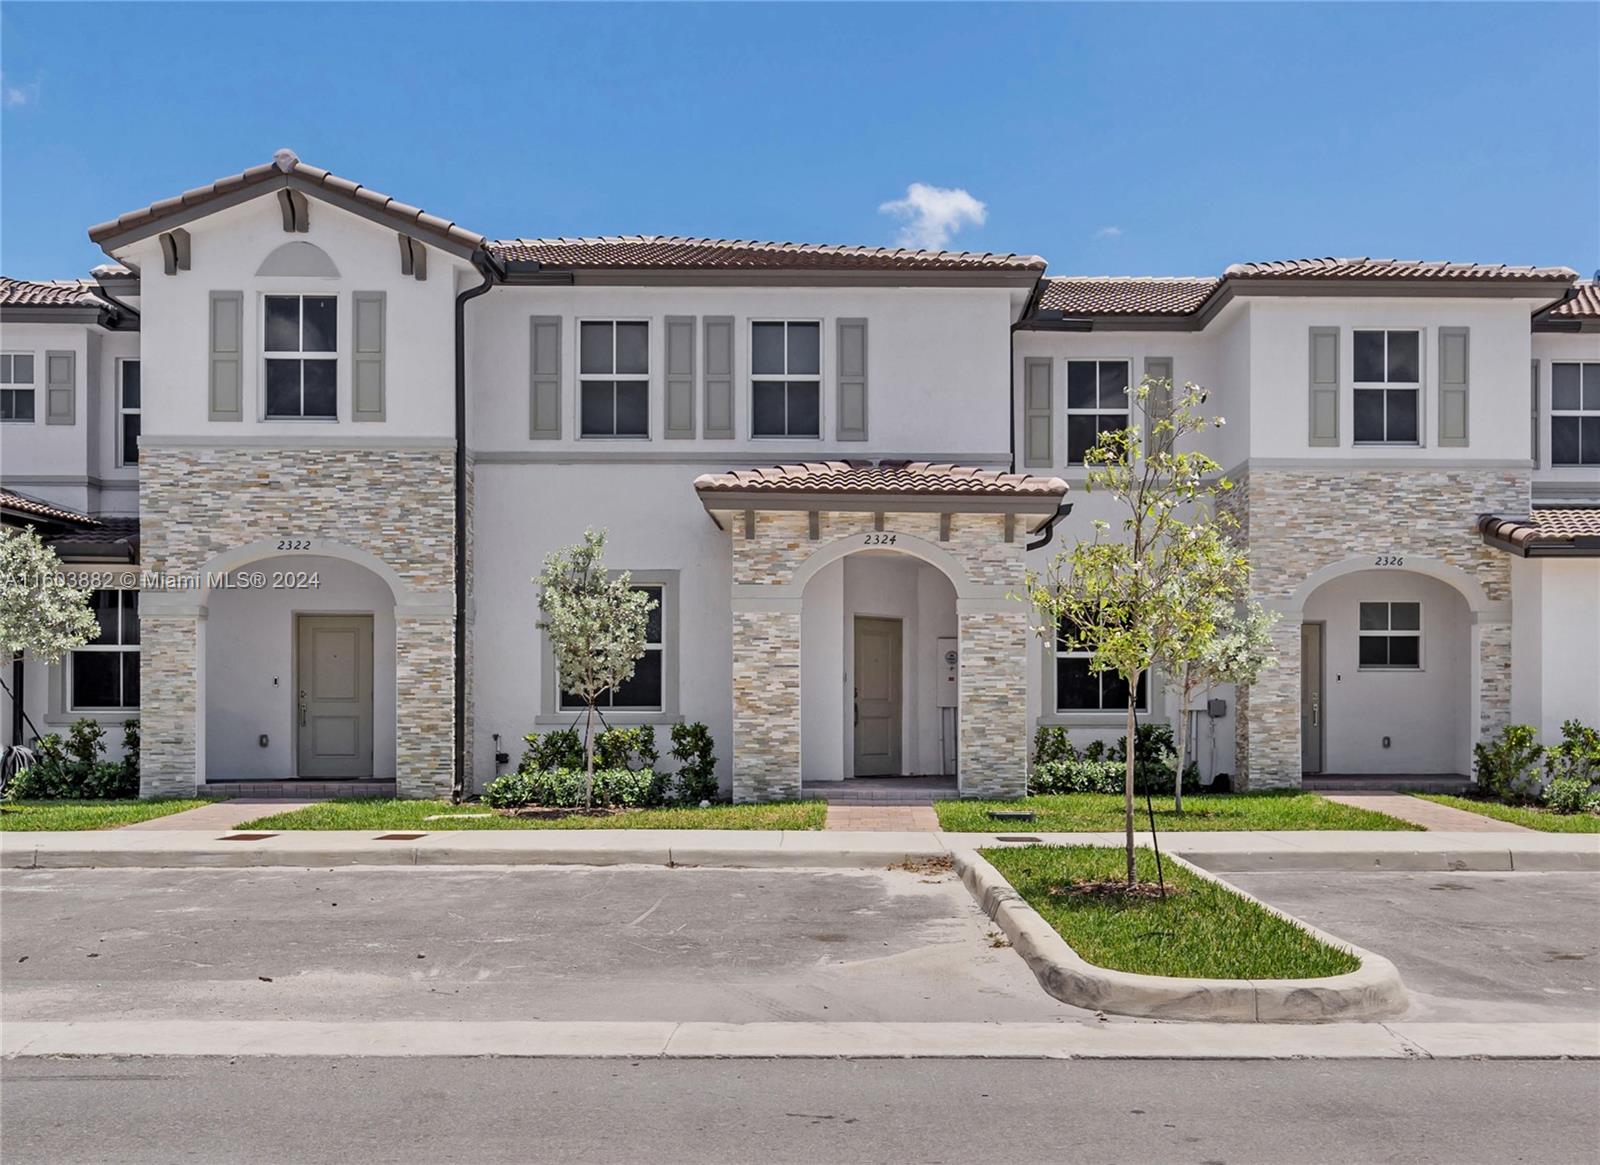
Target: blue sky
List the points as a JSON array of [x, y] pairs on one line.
[[1112, 139]]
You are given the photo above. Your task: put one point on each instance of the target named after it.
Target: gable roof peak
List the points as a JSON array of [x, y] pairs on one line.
[[285, 159]]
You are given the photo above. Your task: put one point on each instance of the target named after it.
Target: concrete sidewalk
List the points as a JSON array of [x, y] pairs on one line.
[[1222, 852], [1428, 814]]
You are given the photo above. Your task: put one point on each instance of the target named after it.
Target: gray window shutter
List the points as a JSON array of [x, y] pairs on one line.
[[226, 401], [544, 387], [1158, 405], [679, 405], [852, 419], [718, 359], [1453, 359], [366, 381], [60, 388], [1324, 403], [1037, 411], [1533, 398]]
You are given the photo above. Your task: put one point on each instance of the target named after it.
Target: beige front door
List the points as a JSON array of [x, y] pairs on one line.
[[1312, 711], [333, 695], [877, 697]]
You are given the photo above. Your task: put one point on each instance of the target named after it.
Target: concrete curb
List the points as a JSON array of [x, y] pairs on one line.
[[1372, 991]]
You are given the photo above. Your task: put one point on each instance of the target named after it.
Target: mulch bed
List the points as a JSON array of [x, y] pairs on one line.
[[1116, 890]]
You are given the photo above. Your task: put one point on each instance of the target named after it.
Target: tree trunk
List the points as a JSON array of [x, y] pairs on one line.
[[588, 758], [1127, 778], [1183, 740]]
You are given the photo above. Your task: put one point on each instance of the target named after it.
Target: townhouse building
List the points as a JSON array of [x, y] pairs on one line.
[[311, 445]]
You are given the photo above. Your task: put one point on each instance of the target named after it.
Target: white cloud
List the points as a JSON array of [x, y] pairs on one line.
[[1108, 233], [931, 214], [17, 95]]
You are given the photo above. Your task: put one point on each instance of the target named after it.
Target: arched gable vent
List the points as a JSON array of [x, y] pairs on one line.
[[299, 258]]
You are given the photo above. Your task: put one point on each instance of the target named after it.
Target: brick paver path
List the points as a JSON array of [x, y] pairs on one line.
[[897, 818], [221, 816], [1427, 814]]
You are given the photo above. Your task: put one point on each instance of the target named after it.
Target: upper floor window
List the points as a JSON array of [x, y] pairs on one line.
[[1080, 689], [16, 386], [302, 356], [614, 378], [1388, 382], [786, 379], [105, 673], [1097, 402], [1391, 635], [1574, 413], [128, 412], [645, 690]]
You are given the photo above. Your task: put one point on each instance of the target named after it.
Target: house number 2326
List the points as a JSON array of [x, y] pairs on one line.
[[1389, 560], [878, 540]]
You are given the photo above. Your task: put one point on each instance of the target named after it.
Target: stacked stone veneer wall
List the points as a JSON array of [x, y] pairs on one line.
[[394, 504], [993, 736], [1297, 521]]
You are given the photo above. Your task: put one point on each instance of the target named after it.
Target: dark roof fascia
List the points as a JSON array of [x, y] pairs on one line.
[[1565, 548], [1567, 326], [791, 277], [212, 203], [1117, 323], [44, 313], [1504, 287], [889, 502]]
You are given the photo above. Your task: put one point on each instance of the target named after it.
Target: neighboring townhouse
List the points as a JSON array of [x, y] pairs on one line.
[[355, 427]]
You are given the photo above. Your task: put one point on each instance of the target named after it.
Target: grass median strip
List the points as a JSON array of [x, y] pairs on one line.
[[1525, 815], [1102, 812], [60, 816], [1202, 930], [363, 813]]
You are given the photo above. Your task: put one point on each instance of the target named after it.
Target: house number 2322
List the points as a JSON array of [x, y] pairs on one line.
[[1389, 560], [878, 540], [294, 544]]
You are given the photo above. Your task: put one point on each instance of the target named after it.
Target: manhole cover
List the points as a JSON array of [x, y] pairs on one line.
[[1029, 840], [246, 836], [399, 836]]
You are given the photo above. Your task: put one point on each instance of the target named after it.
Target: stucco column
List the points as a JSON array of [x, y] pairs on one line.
[[993, 747], [172, 702], [766, 699], [424, 704], [1267, 724]]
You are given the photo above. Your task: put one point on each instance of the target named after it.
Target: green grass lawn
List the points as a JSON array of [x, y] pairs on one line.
[[62, 815], [1102, 812], [1205, 932], [1524, 815], [379, 813]]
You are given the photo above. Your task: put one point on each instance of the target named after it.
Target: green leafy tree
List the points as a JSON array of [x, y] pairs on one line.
[[596, 623], [41, 614], [1125, 596]]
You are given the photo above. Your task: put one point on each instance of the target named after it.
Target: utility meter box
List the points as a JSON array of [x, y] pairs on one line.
[[949, 687]]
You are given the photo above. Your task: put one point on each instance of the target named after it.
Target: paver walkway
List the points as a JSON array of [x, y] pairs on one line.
[[891, 818], [1428, 814], [220, 815]]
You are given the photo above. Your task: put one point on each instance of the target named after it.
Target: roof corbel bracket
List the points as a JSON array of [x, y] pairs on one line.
[[749, 525], [877, 521], [296, 210], [413, 258], [813, 525], [175, 251], [1011, 527], [944, 526]]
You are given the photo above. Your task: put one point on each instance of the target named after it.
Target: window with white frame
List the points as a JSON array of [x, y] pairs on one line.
[[1097, 402], [1080, 689], [645, 691], [1388, 387], [302, 356], [785, 379], [104, 674], [16, 386], [1574, 413], [614, 378], [128, 389], [1391, 636]]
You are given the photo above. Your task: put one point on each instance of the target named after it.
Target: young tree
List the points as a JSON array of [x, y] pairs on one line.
[[596, 623], [1123, 597], [41, 614]]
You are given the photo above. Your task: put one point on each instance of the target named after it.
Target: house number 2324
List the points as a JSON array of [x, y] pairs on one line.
[[878, 540], [1389, 560]]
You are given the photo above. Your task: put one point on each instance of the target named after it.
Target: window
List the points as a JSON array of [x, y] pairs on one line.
[[16, 386], [128, 412], [785, 380], [302, 356], [1388, 382], [644, 692], [105, 674], [1574, 413], [1078, 689], [1097, 402], [1391, 635], [614, 384]]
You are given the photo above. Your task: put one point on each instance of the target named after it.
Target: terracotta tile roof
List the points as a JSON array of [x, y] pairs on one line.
[[883, 477], [1126, 295], [49, 293], [286, 164], [1584, 304], [667, 252], [118, 535], [48, 511], [1364, 268], [1574, 531]]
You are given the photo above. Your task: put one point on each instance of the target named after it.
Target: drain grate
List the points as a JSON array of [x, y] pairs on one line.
[[399, 836], [246, 836], [1025, 840]]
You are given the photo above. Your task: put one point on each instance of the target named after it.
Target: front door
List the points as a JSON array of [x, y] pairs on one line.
[[333, 695], [1312, 711], [877, 697]]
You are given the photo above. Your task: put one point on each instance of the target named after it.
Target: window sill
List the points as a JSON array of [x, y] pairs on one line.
[[614, 719], [99, 716], [1094, 719], [300, 420]]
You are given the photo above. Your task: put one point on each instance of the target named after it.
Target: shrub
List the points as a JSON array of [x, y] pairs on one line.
[[563, 788], [1507, 767], [1569, 795], [1051, 743], [696, 778], [76, 768], [561, 749], [626, 748], [1077, 776], [1577, 757]]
